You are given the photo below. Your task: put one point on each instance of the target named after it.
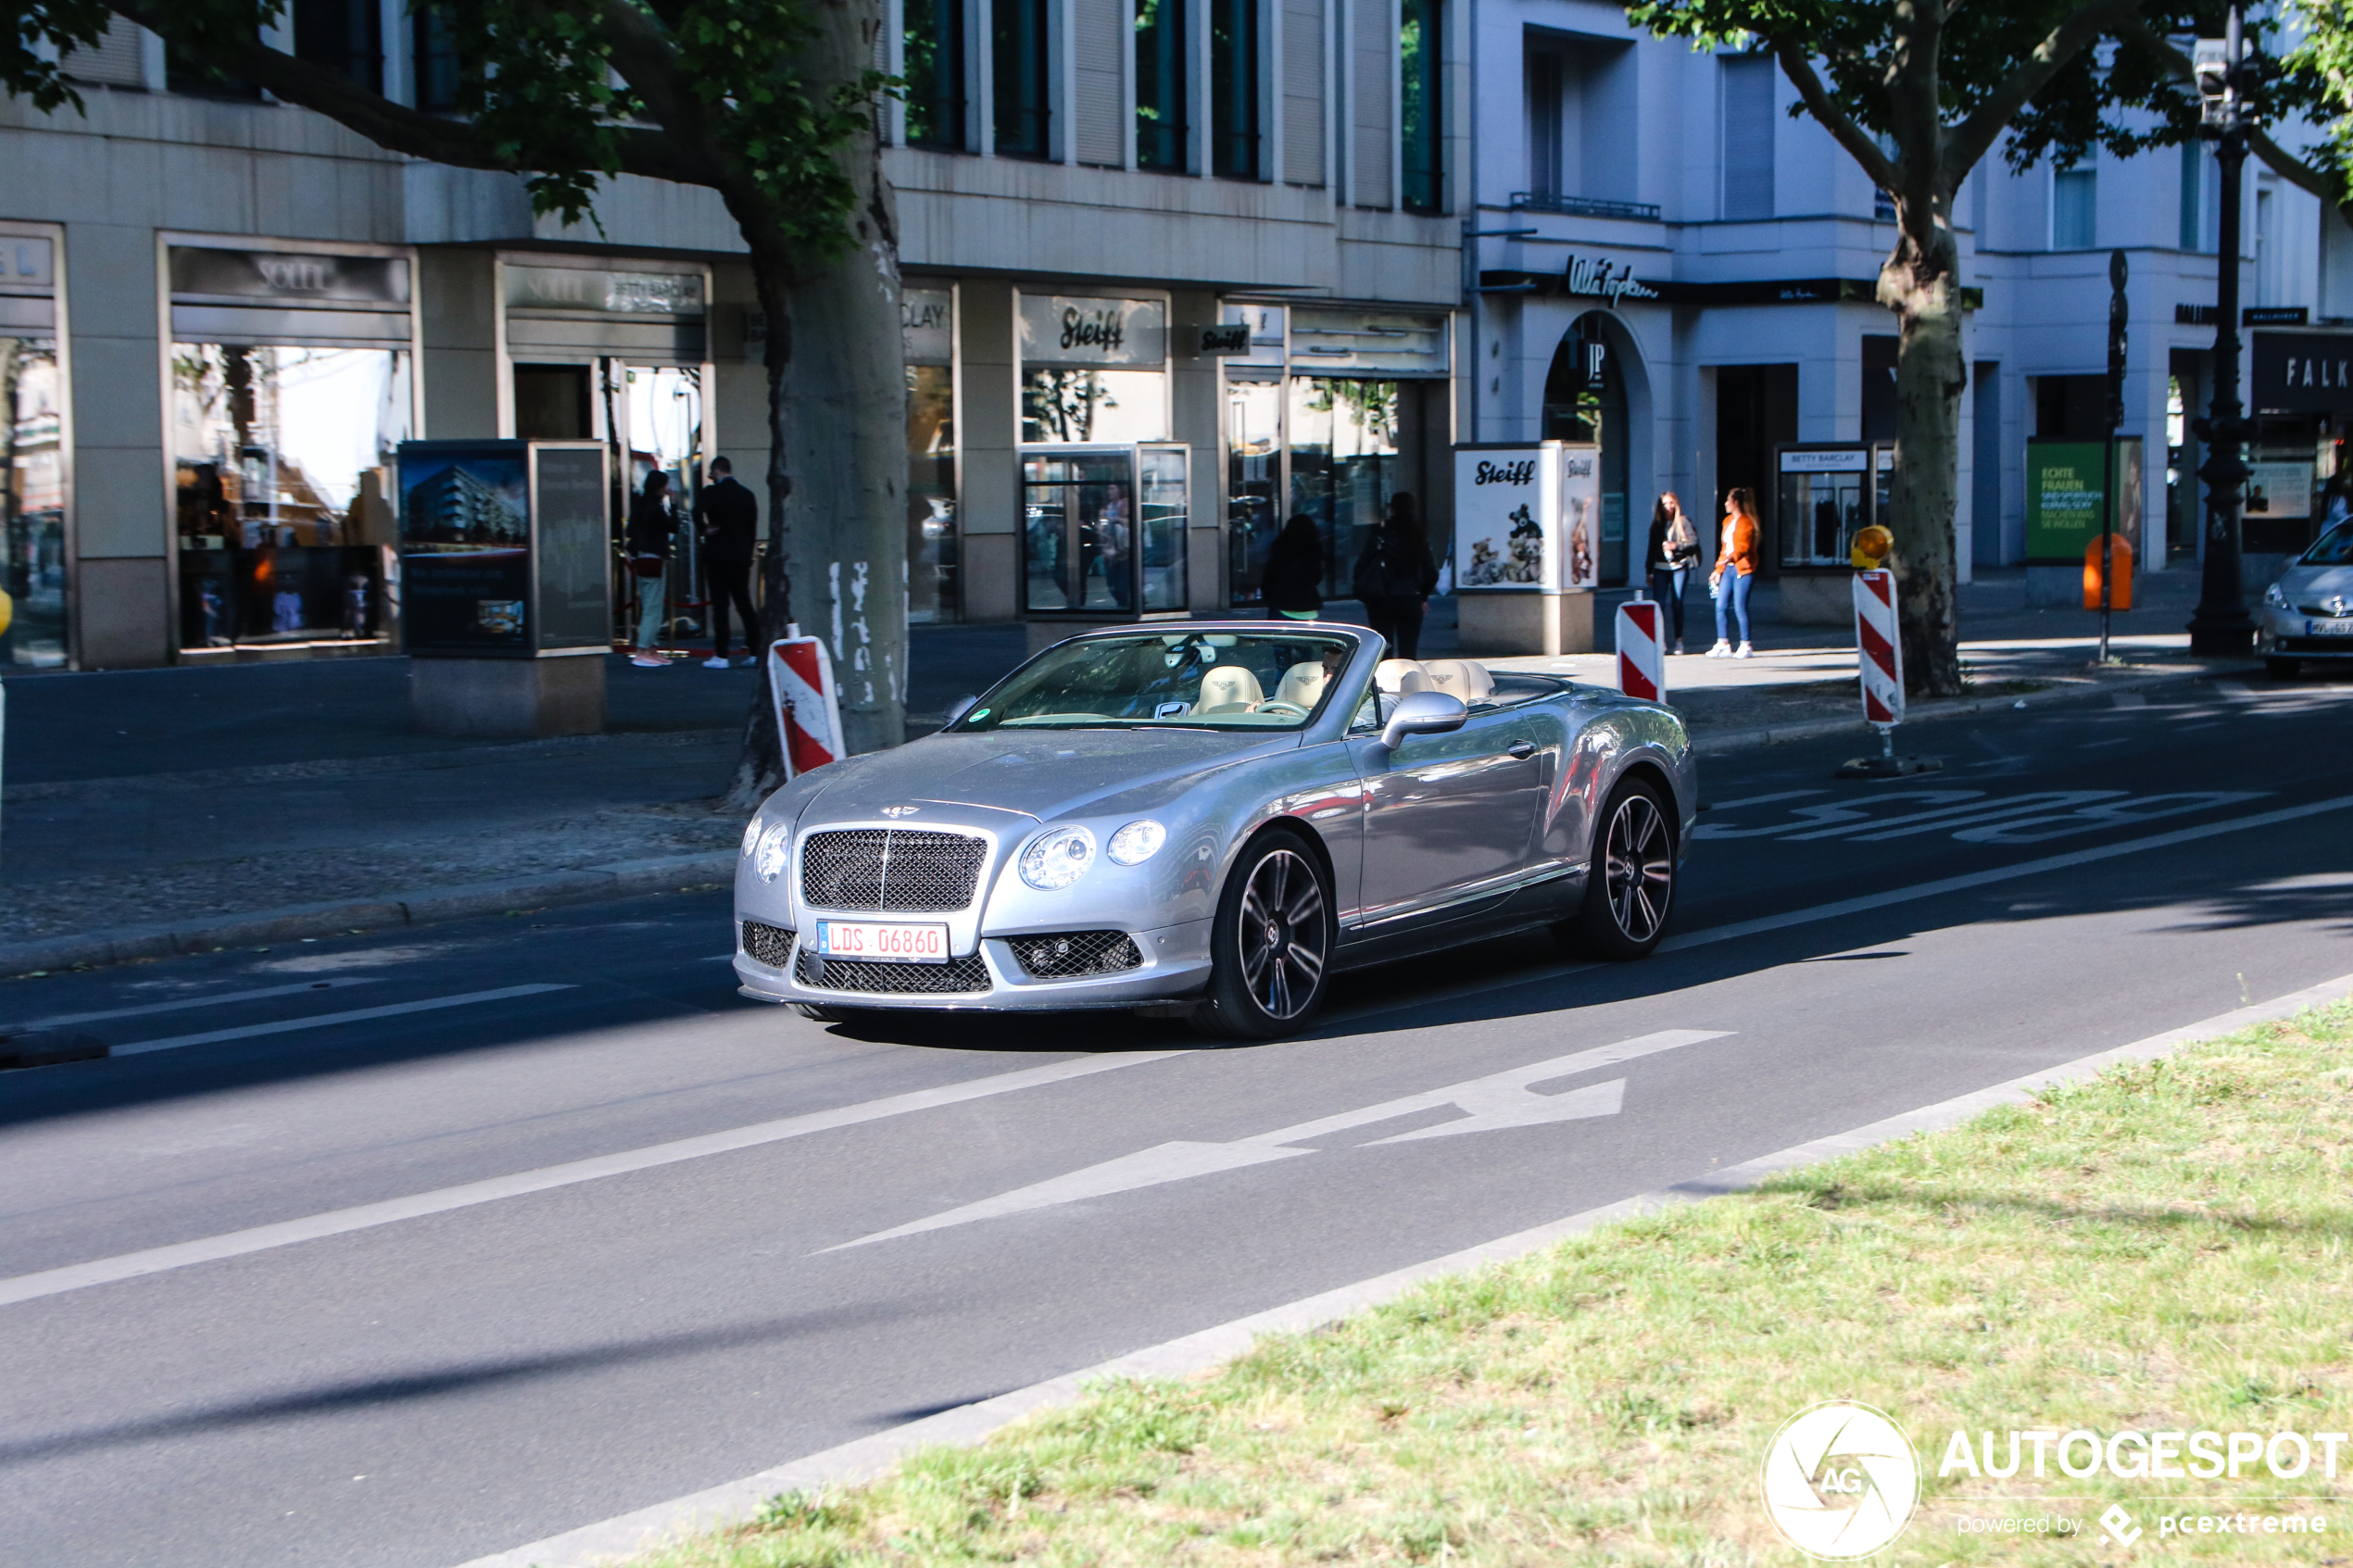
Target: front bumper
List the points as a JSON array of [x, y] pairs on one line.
[[2288, 634], [1175, 966]]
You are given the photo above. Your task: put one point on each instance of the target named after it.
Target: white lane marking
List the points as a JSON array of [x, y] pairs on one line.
[[339, 1222], [863, 1458], [323, 1019], [2000, 874], [721, 957], [2130, 812], [1499, 1100], [1848, 814], [2130, 699], [1763, 799], [220, 999]]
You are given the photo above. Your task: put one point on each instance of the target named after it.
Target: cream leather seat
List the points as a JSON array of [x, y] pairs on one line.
[[1227, 688], [1401, 675], [1302, 685], [1461, 678]]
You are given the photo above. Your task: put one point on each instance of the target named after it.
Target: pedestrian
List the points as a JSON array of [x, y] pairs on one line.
[[1735, 571], [1294, 577], [727, 522], [647, 541], [1394, 577], [1673, 552]]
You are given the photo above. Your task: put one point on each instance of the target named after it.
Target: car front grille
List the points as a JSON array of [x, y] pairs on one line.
[[1064, 955], [902, 869], [958, 976], [771, 945]]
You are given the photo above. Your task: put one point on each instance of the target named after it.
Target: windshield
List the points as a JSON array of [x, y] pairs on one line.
[[1189, 680], [2333, 548]]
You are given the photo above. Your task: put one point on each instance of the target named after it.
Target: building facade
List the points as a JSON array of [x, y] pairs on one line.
[[1166, 266]]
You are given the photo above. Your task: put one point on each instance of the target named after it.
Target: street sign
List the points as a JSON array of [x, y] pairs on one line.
[[800, 680], [1879, 647], [1641, 671]]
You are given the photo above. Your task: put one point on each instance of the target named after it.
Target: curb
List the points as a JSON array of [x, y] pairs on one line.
[[867, 1457], [1816, 729], [623, 879]]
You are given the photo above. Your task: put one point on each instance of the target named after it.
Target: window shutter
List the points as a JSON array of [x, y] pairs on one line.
[[1748, 135], [1100, 53], [117, 61], [1304, 91], [1373, 44]]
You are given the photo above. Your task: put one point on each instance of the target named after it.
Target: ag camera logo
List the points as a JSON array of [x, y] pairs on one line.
[[1841, 1481]]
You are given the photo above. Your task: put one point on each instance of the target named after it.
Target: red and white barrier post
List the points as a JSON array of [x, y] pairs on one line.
[[800, 679], [1878, 644], [1642, 668]]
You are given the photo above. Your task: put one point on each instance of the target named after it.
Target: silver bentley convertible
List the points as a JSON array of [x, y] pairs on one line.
[[1214, 818]]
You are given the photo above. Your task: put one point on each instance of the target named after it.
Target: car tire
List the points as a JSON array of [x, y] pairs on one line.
[[1271, 947], [2283, 668], [1629, 885]]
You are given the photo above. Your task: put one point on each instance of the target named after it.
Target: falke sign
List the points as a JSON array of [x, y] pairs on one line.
[[1603, 279], [2303, 373]]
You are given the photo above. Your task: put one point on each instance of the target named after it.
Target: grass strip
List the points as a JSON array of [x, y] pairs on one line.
[[2162, 1248]]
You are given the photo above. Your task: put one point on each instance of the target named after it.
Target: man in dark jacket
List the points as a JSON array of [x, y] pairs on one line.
[[727, 520], [1394, 576]]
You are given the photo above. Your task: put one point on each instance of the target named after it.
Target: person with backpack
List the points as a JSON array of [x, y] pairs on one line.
[[727, 520], [646, 540], [1394, 577], [1673, 552]]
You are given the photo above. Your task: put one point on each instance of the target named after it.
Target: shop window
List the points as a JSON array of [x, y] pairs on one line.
[[1161, 122], [552, 403], [1420, 58], [343, 35], [1019, 46], [1546, 144], [927, 331], [286, 512], [1234, 66], [934, 67], [1103, 531], [1345, 464], [1747, 125], [32, 504], [1254, 483], [1585, 400], [2074, 209], [1093, 369], [433, 57]]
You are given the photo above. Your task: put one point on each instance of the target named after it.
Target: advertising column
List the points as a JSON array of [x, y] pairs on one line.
[[1525, 562]]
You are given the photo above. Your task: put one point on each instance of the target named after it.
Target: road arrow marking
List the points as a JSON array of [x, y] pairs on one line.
[[1498, 1101]]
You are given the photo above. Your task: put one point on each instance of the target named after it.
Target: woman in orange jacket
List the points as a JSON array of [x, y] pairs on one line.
[[1735, 573]]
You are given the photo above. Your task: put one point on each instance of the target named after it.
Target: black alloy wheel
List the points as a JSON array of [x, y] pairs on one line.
[[1629, 886], [1271, 947]]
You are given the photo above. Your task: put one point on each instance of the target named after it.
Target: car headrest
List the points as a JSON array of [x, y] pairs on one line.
[[1302, 684], [1461, 678], [1227, 685], [1401, 675]]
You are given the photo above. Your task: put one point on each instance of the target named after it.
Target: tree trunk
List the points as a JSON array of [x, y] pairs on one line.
[[836, 560], [1922, 283]]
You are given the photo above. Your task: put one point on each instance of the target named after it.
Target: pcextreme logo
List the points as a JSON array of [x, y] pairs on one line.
[[1841, 1480]]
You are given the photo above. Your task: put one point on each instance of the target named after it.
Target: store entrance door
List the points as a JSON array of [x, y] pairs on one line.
[[654, 422]]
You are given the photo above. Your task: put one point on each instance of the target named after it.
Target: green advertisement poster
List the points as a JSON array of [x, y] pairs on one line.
[[2066, 493]]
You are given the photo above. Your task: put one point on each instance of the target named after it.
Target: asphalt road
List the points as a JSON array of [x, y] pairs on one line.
[[502, 1365]]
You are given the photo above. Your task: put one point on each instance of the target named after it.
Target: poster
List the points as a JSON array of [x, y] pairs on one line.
[[2279, 489], [1506, 509], [465, 538], [2066, 496], [1582, 517]]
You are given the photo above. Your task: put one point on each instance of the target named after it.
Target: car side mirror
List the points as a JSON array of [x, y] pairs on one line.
[[1423, 713], [957, 708]]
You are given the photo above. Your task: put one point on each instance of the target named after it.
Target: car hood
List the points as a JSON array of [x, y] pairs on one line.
[[1047, 774], [2316, 585]]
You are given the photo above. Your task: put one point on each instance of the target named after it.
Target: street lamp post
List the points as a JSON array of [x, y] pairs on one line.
[[2221, 626]]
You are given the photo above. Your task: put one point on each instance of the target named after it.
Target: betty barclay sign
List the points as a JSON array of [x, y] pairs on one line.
[[1077, 330]]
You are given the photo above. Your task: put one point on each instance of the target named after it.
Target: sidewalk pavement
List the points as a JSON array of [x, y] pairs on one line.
[[151, 812]]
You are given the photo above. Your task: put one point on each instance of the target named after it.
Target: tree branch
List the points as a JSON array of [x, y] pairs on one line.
[[396, 127], [2285, 164], [1799, 68], [1973, 137]]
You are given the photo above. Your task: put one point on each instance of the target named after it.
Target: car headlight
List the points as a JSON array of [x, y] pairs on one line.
[[2271, 595], [752, 834], [1137, 843], [1056, 858], [774, 844]]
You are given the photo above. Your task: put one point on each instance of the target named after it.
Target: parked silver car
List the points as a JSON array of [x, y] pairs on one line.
[[2308, 612], [1213, 818]]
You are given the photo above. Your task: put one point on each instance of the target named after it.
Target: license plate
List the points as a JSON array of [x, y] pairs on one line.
[[2329, 627], [877, 942]]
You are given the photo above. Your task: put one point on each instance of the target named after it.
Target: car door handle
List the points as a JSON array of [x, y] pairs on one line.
[[1523, 749]]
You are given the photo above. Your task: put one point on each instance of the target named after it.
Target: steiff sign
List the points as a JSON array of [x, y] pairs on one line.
[[1221, 338]]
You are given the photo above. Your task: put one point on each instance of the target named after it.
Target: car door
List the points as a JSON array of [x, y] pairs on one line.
[[1448, 816]]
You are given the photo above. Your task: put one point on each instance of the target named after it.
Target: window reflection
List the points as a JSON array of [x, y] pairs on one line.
[[33, 506]]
